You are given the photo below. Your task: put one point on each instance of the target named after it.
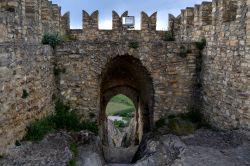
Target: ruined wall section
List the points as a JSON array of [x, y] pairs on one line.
[[29, 20], [226, 61], [26, 68]]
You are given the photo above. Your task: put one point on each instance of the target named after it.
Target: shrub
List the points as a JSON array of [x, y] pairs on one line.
[[201, 44], [90, 126], [183, 52], [160, 123], [38, 129], [25, 94], [127, 113], [57, 71], [18, 143], [169, 36], [119, 124], [181, 126], [133, 44], [64, 118], [52, 39]]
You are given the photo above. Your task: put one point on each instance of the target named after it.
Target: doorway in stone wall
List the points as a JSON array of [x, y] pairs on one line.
[[125, 77], [121, 117]]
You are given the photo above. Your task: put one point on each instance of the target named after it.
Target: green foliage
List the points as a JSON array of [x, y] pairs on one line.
[[1, 157], [57, 71], [201, 44], [25, 94], [64, 118], [72, 162], [52, 39], [69, 37], [133, 44], [169, 36], [184, 51], [181, 126], [160, 123], [127, 113], [38, 129], [90, 126], [18, 143], [74, 149], [119, 124], [189, 121]]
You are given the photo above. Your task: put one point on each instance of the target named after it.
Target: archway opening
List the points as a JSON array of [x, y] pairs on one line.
[[126, 75], [121, 113]]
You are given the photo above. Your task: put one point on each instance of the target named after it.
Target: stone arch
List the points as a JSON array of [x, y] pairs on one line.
[[126, 75]]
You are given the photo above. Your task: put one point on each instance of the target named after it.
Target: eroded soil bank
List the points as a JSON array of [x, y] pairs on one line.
[[203, 148]]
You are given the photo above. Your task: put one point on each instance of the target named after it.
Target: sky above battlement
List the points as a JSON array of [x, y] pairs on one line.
[[134, 7]]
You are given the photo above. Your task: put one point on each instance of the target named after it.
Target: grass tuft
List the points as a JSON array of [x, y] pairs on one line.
[[64, 118]]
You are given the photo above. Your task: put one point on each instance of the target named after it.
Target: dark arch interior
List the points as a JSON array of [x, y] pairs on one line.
[[126, 75]]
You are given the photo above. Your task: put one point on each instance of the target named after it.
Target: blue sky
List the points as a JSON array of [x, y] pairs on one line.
[[134, 7]]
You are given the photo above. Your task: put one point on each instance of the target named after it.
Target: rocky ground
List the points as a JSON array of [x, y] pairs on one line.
[[204, 148]]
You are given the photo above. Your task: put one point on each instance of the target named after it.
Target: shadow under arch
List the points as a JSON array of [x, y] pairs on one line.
[[126, 75]]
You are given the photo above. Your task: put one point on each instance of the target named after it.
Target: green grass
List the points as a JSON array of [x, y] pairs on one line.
[[120, 105], [64, 118], [122, 99]]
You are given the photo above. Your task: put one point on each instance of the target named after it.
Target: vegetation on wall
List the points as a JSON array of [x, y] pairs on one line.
[[184, 51], [74, 149], [201, 44], [25, 94], [52, 39], [183, 123], [169, 36], [57, 71], [133, 44], [64, 118]]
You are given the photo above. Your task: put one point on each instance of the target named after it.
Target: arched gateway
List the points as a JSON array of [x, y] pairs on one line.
[[126, 75]]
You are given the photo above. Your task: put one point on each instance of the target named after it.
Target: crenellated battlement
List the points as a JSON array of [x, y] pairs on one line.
[[29, 19]]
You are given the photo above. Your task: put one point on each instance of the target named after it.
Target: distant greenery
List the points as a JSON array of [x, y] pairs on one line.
[[119, 124], [25, 94], [127, 113], [74, 149], [122, 99], [120, 105], [133, 44], [201, 44], [169, 36], [52, 39], [64, 118]]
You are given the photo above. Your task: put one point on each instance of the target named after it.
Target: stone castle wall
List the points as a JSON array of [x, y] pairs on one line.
[[225, 71], [28, 20], [84, 61], [29, 68], [226, 60]]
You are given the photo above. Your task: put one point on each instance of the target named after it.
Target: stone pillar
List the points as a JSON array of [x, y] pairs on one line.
[[206, 13], [65, 23], [56, 19], [90, 22], [117, 20], [197, 16], [248, 24], [148, 23]]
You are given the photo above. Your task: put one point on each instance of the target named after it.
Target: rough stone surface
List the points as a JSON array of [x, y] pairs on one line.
[[225, 62], [162, 82]]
